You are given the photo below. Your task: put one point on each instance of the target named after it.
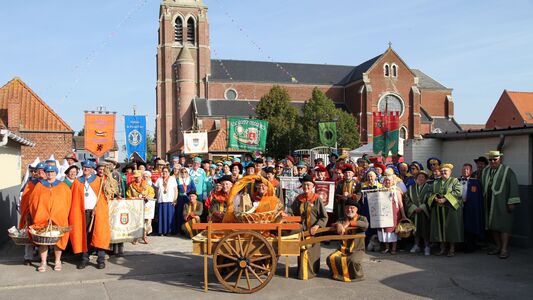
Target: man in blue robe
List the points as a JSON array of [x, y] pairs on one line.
[[472, 208]]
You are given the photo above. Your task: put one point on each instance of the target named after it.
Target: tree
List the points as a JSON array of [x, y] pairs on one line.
[[319, 108], [283, 128], [81, 132], [150, 147]]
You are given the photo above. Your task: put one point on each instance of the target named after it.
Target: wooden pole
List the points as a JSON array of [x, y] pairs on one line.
[[97, 198]]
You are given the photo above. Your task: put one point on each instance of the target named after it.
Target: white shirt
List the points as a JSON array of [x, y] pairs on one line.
[[169, 196], [90, 200]]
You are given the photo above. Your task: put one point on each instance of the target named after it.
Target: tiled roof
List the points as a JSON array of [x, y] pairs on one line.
[[426, 82], [467, 127], [425, 117], [35, 114], [524, 104], [446, 125], [262, 71], [236, 108]]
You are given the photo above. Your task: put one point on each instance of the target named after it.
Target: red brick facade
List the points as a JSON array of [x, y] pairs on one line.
[[514, 109], [29, 116], [184, 72]]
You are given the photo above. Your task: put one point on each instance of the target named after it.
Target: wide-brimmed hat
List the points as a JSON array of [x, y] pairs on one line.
[[88, 164], [137, 173], [70, 168], [446, 166], [307, 178], [225, 178], [72, 156], [482, 159], [494, 153], [238, 164], [111, 160], [351, 202]]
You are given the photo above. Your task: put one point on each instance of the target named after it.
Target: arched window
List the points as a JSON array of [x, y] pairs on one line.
[[191, 31], [386, 70], [403, 132], [178, 30], [394, 71]]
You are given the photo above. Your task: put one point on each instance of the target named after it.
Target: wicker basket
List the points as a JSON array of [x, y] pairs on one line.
[[40, 237], [405, 228], [20, 240], [271, 216]]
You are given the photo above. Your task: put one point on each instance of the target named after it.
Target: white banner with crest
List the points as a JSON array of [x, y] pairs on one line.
[[126, 219], [195, 142], [380, 208]]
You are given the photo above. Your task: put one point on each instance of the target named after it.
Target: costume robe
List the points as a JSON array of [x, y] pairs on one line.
[[217, 207], [499, 190], [101, 232], [446, 219], [349, 186], [345, 262], [25, 202], [473, 216], [189, 212], [312, 212], [51, 202], [416, 197], [184, 187]]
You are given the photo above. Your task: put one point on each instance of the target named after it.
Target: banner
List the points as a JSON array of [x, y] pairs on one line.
[[126, 219], [195, 142], [247, 134], [99, 135], [291, 187], [326, 191], [328, 133], [380, 209], [135, 135], [378, 140], [386, 133]]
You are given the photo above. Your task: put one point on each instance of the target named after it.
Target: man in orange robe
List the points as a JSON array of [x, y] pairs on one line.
[[89, 203], [50, 202], [37, 173]]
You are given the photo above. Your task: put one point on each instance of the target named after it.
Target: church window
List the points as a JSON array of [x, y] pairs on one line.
[[403, 132], [191, 32], [386, 70], [230, 94], [178, 30], [391, 103], [394, 70]]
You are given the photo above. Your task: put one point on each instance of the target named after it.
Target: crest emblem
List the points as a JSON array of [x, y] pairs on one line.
[[124, 218], [134, 138]]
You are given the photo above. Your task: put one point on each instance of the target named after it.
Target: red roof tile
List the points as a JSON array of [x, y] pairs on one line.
[[35, 114], [524, 104]]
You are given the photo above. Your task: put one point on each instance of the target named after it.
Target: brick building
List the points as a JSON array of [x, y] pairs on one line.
[[24, 113], [197, 92], [513, 109]]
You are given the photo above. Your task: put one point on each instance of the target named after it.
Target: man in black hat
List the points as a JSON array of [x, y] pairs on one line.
[[481, 163], [259, 163], [218, 203], [310, 208], [345, 262], [192, 211]]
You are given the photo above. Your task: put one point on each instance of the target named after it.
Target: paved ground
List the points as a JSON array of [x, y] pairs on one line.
[[166, 269]]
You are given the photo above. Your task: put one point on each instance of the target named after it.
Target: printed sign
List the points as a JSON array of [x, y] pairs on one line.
[[326, 191], [380, 208]]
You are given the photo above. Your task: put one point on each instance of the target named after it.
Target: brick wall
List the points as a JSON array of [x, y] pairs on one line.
[[434, 102], [504, 114], [46, 144]]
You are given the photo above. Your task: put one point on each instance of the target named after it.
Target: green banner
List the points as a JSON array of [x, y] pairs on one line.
[[328, 133], [247, 134], [392, 138]]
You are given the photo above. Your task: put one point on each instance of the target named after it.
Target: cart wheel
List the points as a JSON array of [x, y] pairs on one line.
[[244, 262]]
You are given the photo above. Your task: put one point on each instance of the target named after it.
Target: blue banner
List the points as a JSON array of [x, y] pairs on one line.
[[135, 135]]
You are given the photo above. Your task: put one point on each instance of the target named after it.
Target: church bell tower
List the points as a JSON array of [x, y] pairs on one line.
[[183, 65]]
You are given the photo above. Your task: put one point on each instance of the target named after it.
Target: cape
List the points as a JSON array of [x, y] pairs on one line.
[[101, 229]]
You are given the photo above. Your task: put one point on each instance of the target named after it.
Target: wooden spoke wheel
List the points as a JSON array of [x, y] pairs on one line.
[[244, 262]]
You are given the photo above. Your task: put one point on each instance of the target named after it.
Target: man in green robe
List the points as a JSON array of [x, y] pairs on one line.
[[500, 191], [444, 200]]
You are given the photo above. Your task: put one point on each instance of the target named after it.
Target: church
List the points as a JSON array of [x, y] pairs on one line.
[[196, 92]]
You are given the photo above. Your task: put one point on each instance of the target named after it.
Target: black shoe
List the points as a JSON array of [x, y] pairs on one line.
[[27, 262], [100, 266], [82, 265]]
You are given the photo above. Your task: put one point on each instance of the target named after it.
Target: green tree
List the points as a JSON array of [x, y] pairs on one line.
[[81, 132], [320, 108], [283, 128], [150, 147]]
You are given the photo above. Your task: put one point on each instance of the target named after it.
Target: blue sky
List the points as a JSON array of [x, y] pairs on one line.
[[78, 55]]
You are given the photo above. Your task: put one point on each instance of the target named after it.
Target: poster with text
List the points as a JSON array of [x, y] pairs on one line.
[[380, 208], [126, 219]]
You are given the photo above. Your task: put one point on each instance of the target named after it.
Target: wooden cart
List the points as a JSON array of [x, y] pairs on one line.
[[244, 260]]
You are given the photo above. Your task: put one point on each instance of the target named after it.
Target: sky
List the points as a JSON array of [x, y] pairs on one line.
[[79, 55]]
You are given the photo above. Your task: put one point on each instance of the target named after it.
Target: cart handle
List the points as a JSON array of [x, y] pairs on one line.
[[336, 237], [246, 226]]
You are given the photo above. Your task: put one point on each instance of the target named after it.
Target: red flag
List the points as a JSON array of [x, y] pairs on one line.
[[379, 132]]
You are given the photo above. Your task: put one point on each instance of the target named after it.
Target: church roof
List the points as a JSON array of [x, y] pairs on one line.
[[262, 71], [426, 82], [236, 108], [524, 104], [278, 72], [446, 124]]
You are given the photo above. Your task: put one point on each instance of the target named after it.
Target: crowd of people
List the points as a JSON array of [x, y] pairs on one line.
[[446, 211]]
